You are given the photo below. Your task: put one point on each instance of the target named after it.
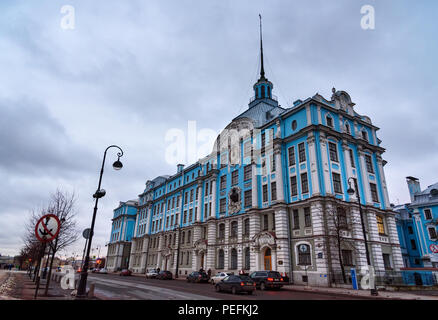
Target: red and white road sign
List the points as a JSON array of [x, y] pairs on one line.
[[47, 228], [434, 248]]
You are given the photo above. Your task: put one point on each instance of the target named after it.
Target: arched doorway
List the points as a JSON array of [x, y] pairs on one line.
[[267, 259], [202, 260]]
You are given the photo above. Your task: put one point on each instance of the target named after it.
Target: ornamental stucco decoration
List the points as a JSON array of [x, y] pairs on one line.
[[234, 200], [264, 238]]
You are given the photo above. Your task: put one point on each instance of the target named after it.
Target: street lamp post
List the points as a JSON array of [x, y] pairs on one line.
[[177, 251], [351, 192], [98, 194]]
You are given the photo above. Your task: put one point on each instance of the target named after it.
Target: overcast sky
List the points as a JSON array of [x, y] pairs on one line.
[[130, 71]]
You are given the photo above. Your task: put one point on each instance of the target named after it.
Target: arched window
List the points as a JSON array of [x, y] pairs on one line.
[[170, 240], [189, 235], [269, 92], [247, 260], [183, 236], [233, 265], [221, 234], [262, 88], [233, 229], [294, 125], [380, 224], [221, 259], [341, 217], [364, 135]]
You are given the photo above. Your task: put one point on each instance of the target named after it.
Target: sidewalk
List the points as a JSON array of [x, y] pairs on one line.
[[362, 293]]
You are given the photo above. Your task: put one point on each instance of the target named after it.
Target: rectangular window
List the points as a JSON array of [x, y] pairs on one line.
[[247, 172], [410, 230], [191, 195], [427, 214], [263, 140], [296, 219], [432, 232], [247, 149], [333, 152], [387, 261], [186, 197], [223, 183], [248, 198], [222, 205], [273, 163], [211, 187], [206, 189], [304, 183], [235, 177], [337, 182], [307, 218], [347, 257], [209, 209], [273, 191], [205, 210], [265, 193], [350, 151], [291, 154], [265, 222], [374, 195], [185, 217], [301, 152], [190, 214], [380, 225], [413, 244], [293, 185], [369, 163]]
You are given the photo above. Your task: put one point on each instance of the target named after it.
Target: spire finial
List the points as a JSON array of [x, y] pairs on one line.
[[262, 69]]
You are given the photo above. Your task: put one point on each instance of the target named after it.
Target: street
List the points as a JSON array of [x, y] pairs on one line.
[[113, 286]]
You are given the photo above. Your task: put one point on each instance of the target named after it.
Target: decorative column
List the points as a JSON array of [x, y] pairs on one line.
[[325, 165], [213, 198], [279, 173], [395, 244], [313, 171], [199, 206], [383, 180], [281, 232], [365, 179], [376, 250], [254, 228], [240, 248], [254, 185], [211, 249]]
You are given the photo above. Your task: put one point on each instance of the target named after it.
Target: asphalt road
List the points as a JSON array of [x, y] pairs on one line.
[[113, 286]]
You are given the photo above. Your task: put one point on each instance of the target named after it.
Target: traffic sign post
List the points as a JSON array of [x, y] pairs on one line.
[[46, 230]]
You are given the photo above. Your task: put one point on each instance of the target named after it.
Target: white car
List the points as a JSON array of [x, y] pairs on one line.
[[103, 270], [219, 276], [151, 274]]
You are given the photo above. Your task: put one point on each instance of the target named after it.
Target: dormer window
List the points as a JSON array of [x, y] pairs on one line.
[[329, 122]]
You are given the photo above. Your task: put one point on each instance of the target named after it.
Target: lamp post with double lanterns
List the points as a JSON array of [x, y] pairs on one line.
[[351, 192], [117, 165]]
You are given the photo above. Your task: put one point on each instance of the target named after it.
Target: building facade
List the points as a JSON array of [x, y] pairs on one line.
[[122, 231], [424, 211], [271, 194]]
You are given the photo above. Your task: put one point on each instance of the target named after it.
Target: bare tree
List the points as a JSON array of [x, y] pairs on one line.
[[340, 224], [62, 205]]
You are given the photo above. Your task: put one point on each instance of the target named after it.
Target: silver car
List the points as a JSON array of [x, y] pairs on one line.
[[151, 274], [219, 276]]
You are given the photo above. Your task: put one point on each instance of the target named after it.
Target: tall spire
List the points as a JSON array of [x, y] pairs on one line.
[[262, 69]]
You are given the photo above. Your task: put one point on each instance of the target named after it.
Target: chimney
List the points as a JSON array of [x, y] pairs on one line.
[[180, 168], [413, 186]]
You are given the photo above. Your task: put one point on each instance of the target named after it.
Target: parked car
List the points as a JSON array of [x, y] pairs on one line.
[[125, 272], [165, 275], [152, 274], [236, 284], [197, 276], [267, 279], [103, 270], [220, 276], [95, 270]]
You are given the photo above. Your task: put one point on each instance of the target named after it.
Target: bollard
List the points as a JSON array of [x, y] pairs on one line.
[[91, 291]]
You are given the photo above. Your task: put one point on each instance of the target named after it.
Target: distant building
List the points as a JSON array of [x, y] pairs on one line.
[[122, 231], [424, 208], [408, 236]]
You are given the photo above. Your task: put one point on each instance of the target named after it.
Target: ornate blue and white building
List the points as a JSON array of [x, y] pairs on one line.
[[262, 199], [122, 231]]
